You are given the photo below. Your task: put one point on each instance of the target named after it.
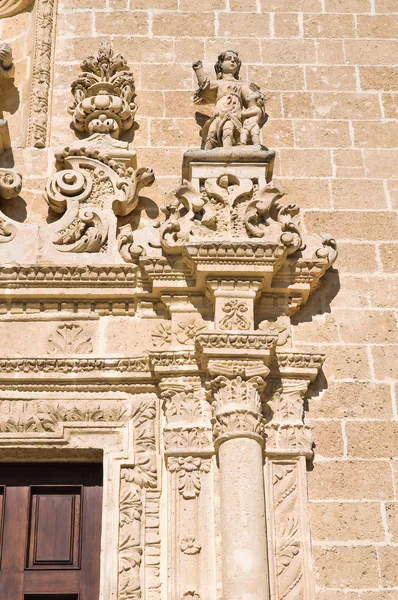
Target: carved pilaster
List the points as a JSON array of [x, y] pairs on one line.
[[134, 481], [188, 450], [287, 433], [288, 445]]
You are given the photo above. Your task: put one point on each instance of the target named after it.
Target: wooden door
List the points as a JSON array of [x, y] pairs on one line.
[[50, 530]]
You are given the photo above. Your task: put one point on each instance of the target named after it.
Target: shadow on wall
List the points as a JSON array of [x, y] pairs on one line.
[[319, 302]]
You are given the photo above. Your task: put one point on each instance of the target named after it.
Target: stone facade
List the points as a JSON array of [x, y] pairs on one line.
[[179, 312]]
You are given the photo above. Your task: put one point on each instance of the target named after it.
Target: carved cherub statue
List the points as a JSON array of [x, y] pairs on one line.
[[254, 116], [231, 97]]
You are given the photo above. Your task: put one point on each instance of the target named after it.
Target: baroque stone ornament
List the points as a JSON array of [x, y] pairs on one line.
[[12, 7], [91, 188], [6, 62], [104, 94], [239, 112], [41, 73], [69, 338], [10, 186]]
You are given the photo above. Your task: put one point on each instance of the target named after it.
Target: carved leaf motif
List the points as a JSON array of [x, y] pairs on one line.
[[234, 317], [189, 469], [88, 232], [288, 544], [69, 338], [161, 335]]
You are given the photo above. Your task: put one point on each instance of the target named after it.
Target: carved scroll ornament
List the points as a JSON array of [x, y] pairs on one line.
[[92, 189]]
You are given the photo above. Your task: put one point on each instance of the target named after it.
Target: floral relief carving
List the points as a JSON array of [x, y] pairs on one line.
[[189, 470], [289, 568], [133, 482], [41, 417], [161, 335], [190, 546], [69, 338]]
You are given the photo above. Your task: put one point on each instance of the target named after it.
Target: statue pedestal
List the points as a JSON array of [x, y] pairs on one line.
[[249, 162]]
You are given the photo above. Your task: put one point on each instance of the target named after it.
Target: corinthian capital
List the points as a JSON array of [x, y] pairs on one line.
[[236, 402]]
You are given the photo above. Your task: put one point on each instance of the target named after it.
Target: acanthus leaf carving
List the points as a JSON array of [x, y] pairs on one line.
[[189, 470], [69, 338], [91, 188], [288, 545]]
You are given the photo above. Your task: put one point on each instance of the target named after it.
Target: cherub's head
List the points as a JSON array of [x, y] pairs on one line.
[[256, 97], [228, 63]]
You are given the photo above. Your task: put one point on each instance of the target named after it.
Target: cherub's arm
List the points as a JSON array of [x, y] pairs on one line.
[[201, 75], [204, 81], [254, 111]]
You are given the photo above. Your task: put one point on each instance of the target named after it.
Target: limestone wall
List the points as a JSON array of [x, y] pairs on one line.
[[328, 68]]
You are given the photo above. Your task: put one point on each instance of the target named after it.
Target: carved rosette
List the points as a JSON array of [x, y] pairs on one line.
[[104, 94]]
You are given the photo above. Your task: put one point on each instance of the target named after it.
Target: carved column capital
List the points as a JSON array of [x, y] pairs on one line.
[[287, 434], [187, 430], [235, 394]]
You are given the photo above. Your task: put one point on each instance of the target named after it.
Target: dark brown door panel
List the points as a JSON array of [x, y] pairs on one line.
[[50, 531]]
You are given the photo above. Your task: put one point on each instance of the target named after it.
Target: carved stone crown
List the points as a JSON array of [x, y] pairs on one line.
[[104, 94]]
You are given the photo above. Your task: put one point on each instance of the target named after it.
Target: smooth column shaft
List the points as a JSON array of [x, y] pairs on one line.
[[244, 541]]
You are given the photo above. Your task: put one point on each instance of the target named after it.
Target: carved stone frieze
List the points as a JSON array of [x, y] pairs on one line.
[[104, 94]]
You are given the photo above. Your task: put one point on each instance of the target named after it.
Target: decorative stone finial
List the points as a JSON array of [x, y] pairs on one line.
[[104, 94], [239, 111]]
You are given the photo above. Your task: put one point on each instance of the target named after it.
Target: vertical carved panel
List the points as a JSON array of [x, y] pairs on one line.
[[290, 565], [54, 528], [42, 73]]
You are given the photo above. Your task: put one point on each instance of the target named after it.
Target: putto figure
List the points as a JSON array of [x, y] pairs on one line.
[[239, 106]]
